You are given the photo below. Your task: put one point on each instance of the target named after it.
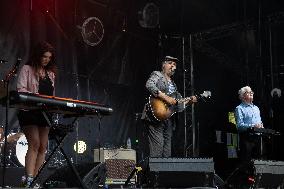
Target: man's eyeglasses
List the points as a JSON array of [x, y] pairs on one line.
[[249, 92]]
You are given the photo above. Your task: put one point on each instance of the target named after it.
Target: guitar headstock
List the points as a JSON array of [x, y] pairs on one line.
[[206, 94]]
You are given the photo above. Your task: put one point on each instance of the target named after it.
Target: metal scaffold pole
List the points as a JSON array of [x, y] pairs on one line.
[[193, 125]]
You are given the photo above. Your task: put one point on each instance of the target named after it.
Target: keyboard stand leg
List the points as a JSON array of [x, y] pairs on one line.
[[47, 160], [58, 146], [72, 167]]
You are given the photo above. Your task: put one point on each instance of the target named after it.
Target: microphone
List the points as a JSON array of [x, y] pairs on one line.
[[3, 61]]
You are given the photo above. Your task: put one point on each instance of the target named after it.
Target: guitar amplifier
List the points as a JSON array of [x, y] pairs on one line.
[[117, 153], [181, 172], [119, 163]]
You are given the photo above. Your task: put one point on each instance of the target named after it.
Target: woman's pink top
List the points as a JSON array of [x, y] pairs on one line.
[[29, 82]]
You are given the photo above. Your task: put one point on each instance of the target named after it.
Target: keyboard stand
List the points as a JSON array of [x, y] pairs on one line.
[[59, 141]]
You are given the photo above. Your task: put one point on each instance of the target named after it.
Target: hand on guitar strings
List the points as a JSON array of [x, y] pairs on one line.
[[167, 99], [191, 99]]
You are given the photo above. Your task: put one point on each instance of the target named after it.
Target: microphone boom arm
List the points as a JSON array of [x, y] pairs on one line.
[[13, 71]]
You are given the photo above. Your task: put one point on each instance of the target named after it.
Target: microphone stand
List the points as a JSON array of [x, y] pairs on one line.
[[136, 167], [99, 125], [7, 79]]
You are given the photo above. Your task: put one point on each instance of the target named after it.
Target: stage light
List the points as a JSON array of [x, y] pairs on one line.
[[82, 147]]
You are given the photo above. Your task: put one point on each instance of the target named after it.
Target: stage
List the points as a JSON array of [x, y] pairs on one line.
[[158, 173]]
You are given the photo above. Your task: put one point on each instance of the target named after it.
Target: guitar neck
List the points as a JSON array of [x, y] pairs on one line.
[[183, 99]]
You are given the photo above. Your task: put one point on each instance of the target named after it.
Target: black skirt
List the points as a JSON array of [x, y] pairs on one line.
[[33, 117]]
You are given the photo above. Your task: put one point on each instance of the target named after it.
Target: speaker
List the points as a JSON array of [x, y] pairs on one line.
[[96, 177], [180, 172], [268, 173], [92, 175], [257, 174]]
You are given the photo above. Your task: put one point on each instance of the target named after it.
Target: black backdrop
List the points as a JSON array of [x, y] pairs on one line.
[[114, 72]]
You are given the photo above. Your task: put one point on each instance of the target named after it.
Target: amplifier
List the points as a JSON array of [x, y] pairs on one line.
[[181, 172], [119, 153], [119, 163]]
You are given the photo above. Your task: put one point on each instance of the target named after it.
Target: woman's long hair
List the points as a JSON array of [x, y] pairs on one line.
[[37, 53]]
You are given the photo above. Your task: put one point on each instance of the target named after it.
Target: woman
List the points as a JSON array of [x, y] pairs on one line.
[[37, 77]]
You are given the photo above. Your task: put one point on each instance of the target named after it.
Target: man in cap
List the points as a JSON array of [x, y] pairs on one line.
[[161, 86]]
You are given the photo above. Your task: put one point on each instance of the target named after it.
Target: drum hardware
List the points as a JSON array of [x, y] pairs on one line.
[[8, 159], [16, 150], [13, 137]]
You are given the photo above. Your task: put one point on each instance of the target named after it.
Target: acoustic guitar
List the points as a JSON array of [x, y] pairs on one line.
[[158, 110]]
